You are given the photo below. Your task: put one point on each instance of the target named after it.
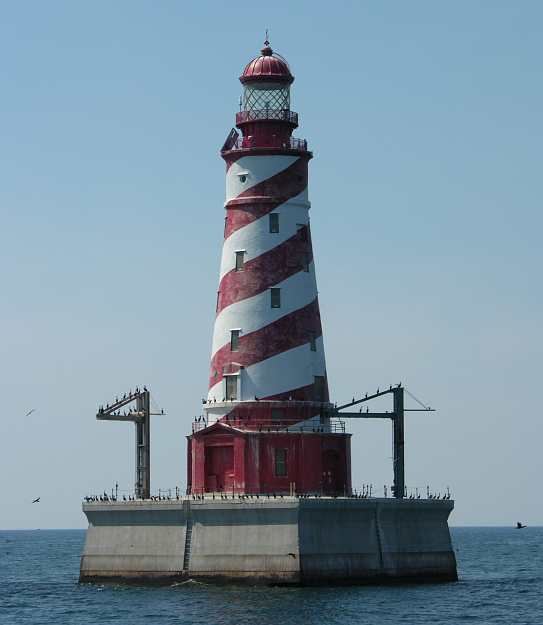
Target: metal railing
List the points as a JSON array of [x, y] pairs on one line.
[[283, 115], [248, 143], [179, 494], [333, 426]]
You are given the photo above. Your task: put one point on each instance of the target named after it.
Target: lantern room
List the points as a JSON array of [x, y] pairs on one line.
[[266, 119]]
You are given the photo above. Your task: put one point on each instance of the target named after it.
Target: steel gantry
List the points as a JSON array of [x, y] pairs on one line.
[[397, 417], [139, 413]]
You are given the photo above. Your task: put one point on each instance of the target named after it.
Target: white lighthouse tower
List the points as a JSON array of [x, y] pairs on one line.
[[267, 339], [267, 425]]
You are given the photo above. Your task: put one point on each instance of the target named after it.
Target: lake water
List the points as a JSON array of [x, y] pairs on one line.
[[501, 571]]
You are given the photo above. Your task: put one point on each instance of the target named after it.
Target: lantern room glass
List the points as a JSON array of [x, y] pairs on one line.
[[266, 97]]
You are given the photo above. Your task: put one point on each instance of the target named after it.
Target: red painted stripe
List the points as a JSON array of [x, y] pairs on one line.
[[251, 414], [270, 268], [304, 393], [288, 332], [231, 156], [266, 196]]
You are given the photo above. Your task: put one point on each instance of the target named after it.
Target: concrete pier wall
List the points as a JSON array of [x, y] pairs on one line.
[[134, 540], [285, 540]]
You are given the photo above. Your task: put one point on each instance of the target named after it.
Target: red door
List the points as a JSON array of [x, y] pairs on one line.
[[219, 467]]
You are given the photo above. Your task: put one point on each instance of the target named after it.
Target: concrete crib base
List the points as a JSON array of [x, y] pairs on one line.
[[272, 541]]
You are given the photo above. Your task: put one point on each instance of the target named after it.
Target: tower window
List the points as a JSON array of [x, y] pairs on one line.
[[274, 222], [275, 298], [318, 388], [312, 342], [305, 262], [239, 260], [242, 178], [303, 232], [231, 387], [280, 462], [234, 340]]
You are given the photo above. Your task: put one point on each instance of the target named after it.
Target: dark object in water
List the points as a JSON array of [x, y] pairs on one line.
[[520, 526]]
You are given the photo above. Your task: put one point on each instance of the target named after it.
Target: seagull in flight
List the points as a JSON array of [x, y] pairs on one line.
[[37, 500], [30, 412]]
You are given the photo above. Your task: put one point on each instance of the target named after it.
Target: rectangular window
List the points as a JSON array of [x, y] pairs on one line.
[[312, 342], [239, 260], [275, 298], [274, 222], [303, 232], [277, 414], [231, 387], [318, 388], [218, 296], [305, 262], [280, 462], [234, 340]]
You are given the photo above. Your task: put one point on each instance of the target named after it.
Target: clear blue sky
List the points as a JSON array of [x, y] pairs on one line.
[[425, 121]]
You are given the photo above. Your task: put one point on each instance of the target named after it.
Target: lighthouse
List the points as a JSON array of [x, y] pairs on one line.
[[269, 494], [267, 424]]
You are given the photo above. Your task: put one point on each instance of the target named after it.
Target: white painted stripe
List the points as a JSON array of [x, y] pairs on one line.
[[256, 169], [279, 374], [256, 239], [255, 312]]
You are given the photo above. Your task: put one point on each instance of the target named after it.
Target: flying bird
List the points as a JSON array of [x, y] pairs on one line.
[[36, 500], [30, 412]]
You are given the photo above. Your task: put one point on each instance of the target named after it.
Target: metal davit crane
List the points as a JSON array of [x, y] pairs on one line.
[[397, 417], [139, 412]]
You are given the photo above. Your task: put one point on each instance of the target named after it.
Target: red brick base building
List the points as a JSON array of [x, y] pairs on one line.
[[227, 459]]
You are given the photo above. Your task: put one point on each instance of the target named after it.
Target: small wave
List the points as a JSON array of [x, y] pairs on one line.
[[190, 581]]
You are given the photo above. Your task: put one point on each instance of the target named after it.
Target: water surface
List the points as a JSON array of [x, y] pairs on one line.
[[501, 571]]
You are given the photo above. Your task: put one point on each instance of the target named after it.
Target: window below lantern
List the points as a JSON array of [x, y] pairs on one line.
[[280, 462], [274, 223], [231, 387], [234, 340], [275, 298], [239, 260]]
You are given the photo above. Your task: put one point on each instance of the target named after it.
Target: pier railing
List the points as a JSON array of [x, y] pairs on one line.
[[179, 494], [328, 426]]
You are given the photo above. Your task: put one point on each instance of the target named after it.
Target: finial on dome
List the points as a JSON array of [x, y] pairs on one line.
[[266, 50]]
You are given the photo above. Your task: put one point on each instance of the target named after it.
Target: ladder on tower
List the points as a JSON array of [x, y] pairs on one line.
[[188, 545]]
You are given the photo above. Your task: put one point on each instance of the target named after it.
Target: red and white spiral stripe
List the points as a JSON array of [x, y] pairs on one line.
[[280, 350]]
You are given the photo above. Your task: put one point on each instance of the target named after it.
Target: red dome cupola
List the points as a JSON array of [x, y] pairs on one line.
[[268, 67]]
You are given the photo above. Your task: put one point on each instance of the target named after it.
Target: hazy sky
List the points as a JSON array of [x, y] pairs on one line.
[[425, 122]]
